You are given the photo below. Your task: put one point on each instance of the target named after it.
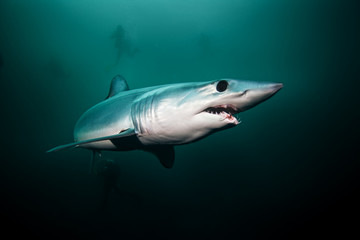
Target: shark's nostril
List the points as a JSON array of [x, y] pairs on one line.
[[243, 93]]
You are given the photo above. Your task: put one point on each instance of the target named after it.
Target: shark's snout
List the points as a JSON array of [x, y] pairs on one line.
[[258, 93], [276, 86], [270, 90]]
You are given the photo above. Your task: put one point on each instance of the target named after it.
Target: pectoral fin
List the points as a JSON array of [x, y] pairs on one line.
[[126, 133], [165, 153]]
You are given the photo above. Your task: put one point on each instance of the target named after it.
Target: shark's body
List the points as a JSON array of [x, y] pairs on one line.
[[156, 118]]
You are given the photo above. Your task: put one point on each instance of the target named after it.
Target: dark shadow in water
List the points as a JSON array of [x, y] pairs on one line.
[[110, 172], [122, 44]]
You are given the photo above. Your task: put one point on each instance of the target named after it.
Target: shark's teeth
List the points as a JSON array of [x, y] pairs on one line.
[[237, 118], [222, 109], [226, 112]]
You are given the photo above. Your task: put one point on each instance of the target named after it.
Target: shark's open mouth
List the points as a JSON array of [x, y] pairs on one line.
[[226, 111]]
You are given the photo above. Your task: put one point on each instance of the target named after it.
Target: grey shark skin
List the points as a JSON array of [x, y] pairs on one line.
[[155, 119]]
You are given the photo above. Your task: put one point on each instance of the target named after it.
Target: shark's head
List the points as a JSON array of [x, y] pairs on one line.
[[227, 97], [183, 113]]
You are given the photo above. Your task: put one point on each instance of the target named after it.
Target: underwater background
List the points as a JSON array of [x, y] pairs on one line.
[[289, 170]]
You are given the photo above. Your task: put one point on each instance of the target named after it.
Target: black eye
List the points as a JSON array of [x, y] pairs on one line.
[[222, 86]]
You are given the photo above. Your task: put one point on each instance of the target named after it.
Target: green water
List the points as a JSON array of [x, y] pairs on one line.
[[287, 171]]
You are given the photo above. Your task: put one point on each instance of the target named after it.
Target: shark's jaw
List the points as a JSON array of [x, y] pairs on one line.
[[226, 112]]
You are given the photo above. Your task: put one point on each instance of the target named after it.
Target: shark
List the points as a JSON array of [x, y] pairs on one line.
[[155, 119]]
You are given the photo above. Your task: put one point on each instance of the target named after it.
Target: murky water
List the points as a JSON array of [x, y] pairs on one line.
[[288, 170]]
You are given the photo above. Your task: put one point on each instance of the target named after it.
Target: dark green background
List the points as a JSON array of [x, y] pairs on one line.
[[288, 171]]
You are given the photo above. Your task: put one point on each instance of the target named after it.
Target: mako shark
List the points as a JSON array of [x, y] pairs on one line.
[[155, 119]]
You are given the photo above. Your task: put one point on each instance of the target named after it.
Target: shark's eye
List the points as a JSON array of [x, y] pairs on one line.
[[222, 86]]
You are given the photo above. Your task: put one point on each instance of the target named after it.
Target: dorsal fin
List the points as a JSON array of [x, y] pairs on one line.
[[118, 84]]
